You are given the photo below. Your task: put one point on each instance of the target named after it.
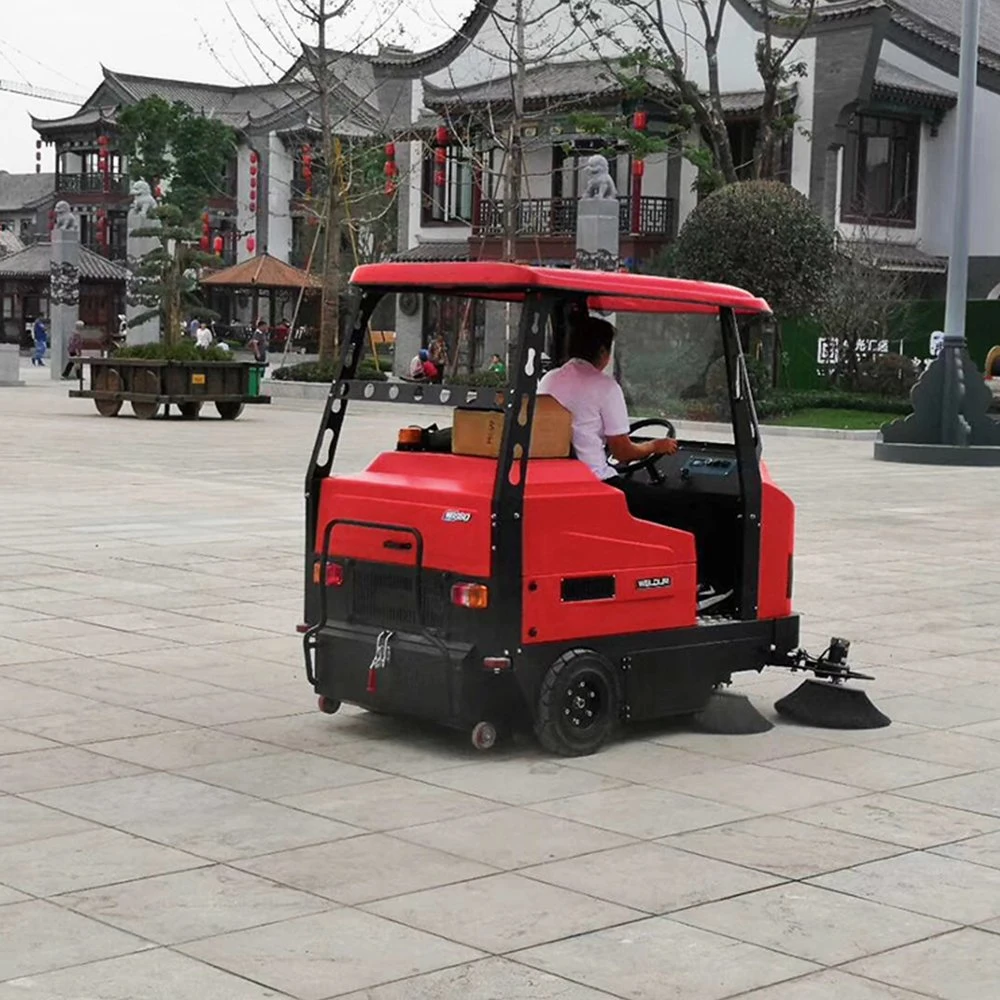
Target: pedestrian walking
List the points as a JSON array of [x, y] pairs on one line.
[[203, 338], [75, 350], [258, 343], [41, 335]]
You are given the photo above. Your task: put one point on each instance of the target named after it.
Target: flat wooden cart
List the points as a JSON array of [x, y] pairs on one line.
[[149, 385]]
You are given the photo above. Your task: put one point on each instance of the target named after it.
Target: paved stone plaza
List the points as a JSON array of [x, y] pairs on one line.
[[178, 822]]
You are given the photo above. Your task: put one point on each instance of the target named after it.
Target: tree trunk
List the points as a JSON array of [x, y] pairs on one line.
[[329, 326], [716, 120]]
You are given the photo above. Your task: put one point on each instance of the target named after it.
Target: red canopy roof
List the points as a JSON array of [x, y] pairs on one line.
[[607, 291]]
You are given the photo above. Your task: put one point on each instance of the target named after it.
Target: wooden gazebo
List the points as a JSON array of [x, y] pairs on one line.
[[264, 273]]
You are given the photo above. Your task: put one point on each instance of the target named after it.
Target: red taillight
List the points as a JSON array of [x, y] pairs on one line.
[[470, 595], [334, 573], [496, 663]]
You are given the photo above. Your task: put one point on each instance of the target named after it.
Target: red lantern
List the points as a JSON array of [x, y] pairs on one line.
[[441, 135], [390, 187], [253, 169], [439, 179], [251, 244], [219, 244], [253, 183], [640, 120], [204, 243], [391, 169], [307, 172], [390, 151], [253, 156], [52, 219], [253, 206], [440, 156], [158, 193], [638, 168], [102, 140]]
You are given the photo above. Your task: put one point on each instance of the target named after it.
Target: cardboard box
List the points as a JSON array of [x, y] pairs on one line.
[[478, 432]]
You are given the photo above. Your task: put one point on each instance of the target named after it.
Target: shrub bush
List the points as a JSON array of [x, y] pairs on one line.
[[313, 371], [780, 403], [186, 350], [891, 375], [479, 380], [763, 236]]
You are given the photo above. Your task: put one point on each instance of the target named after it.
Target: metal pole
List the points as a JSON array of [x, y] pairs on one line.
[[958, 266]]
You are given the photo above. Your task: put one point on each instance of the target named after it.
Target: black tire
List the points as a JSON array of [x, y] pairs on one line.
[[189, 411], [578, 704], [229, 410]]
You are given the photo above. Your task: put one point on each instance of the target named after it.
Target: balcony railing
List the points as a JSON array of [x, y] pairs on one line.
[[557, 217], [91, 184]]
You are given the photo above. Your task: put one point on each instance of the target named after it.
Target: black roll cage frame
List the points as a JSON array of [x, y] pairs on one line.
[[517, 401]]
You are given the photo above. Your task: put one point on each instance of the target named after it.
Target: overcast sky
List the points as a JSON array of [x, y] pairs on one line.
[[62, 44]]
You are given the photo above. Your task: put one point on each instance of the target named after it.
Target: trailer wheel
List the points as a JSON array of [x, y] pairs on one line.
[[578, 704], [328, 706], [484, 735], [108, 407], [189, 411], [229, 410]]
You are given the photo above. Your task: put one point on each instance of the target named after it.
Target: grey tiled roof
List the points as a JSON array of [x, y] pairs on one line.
[[897, 256], [895, 82], [35, 261], [436, 250], [19, 191]]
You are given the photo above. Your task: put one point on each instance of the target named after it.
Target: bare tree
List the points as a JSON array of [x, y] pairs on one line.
[[656, 37]]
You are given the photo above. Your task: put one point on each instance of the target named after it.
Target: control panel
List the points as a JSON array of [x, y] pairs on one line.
[[707, 465]]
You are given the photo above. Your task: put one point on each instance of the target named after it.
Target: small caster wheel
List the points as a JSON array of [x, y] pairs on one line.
[[328, 706], [484, 735]]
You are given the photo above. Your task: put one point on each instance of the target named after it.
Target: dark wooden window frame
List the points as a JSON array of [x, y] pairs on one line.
[[434, 211], [903, 135]]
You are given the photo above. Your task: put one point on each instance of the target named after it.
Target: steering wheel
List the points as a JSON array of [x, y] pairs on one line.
[[629, 469]]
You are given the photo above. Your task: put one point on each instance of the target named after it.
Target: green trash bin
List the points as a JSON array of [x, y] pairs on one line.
[[254, 387]]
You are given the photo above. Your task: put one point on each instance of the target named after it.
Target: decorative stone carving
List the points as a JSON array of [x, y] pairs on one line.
[[143, 201], [65, 219], [64, 284], [598, 177]]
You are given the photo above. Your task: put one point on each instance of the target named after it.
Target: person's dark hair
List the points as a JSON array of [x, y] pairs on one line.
[[588, 335]]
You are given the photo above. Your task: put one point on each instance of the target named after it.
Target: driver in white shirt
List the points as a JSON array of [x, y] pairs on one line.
[[600, 416]]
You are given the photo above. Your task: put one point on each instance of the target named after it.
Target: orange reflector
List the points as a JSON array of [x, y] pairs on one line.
[[334, 573], [316, 572], [410, 437], [470, 595]]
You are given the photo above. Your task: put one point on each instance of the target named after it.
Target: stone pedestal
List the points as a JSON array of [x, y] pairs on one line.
[[138, 246], [10, 365], [597, 243], [64, 295]]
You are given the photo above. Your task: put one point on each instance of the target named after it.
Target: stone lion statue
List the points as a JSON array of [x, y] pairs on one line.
[[143, 201], [598, 178], [65, 219]]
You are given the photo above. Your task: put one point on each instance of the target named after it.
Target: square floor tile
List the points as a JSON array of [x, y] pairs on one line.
[[782, 741], [660, 959], [327, 953], [38, 936], [758, 789], [643, 812], [512, 838], [22, 821], [957, 749], [224, 707], [646, 762], [90, 858], [934, 713], [402, 753], [38, 769], [810, 923], [830, 986], [898, 820], [212, 822], [978, 792], [926, 883], [12, 741], [275, 775], [519, 780], [865, 767], [157, 974], [193, 904], [782, 846], [20, 700], [502, 912], [487, 979], [183, 748], [312, 731], [651, 877], [364, 868], [8, 895], [984, 850], [390, 803], [88, 722], [964, 965]]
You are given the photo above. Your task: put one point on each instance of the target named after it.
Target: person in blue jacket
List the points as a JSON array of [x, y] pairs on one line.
[[41, 335]]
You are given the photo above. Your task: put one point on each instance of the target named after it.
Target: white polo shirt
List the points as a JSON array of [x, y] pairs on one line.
[[597, 404]]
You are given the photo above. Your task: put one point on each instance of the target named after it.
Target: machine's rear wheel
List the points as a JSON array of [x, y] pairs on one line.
[[146, 382], [578, 704], [229, 410], [328, 706]]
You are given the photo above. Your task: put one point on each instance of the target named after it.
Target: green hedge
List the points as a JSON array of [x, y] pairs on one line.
[[186, 350], [780, 403], [313, 371]]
